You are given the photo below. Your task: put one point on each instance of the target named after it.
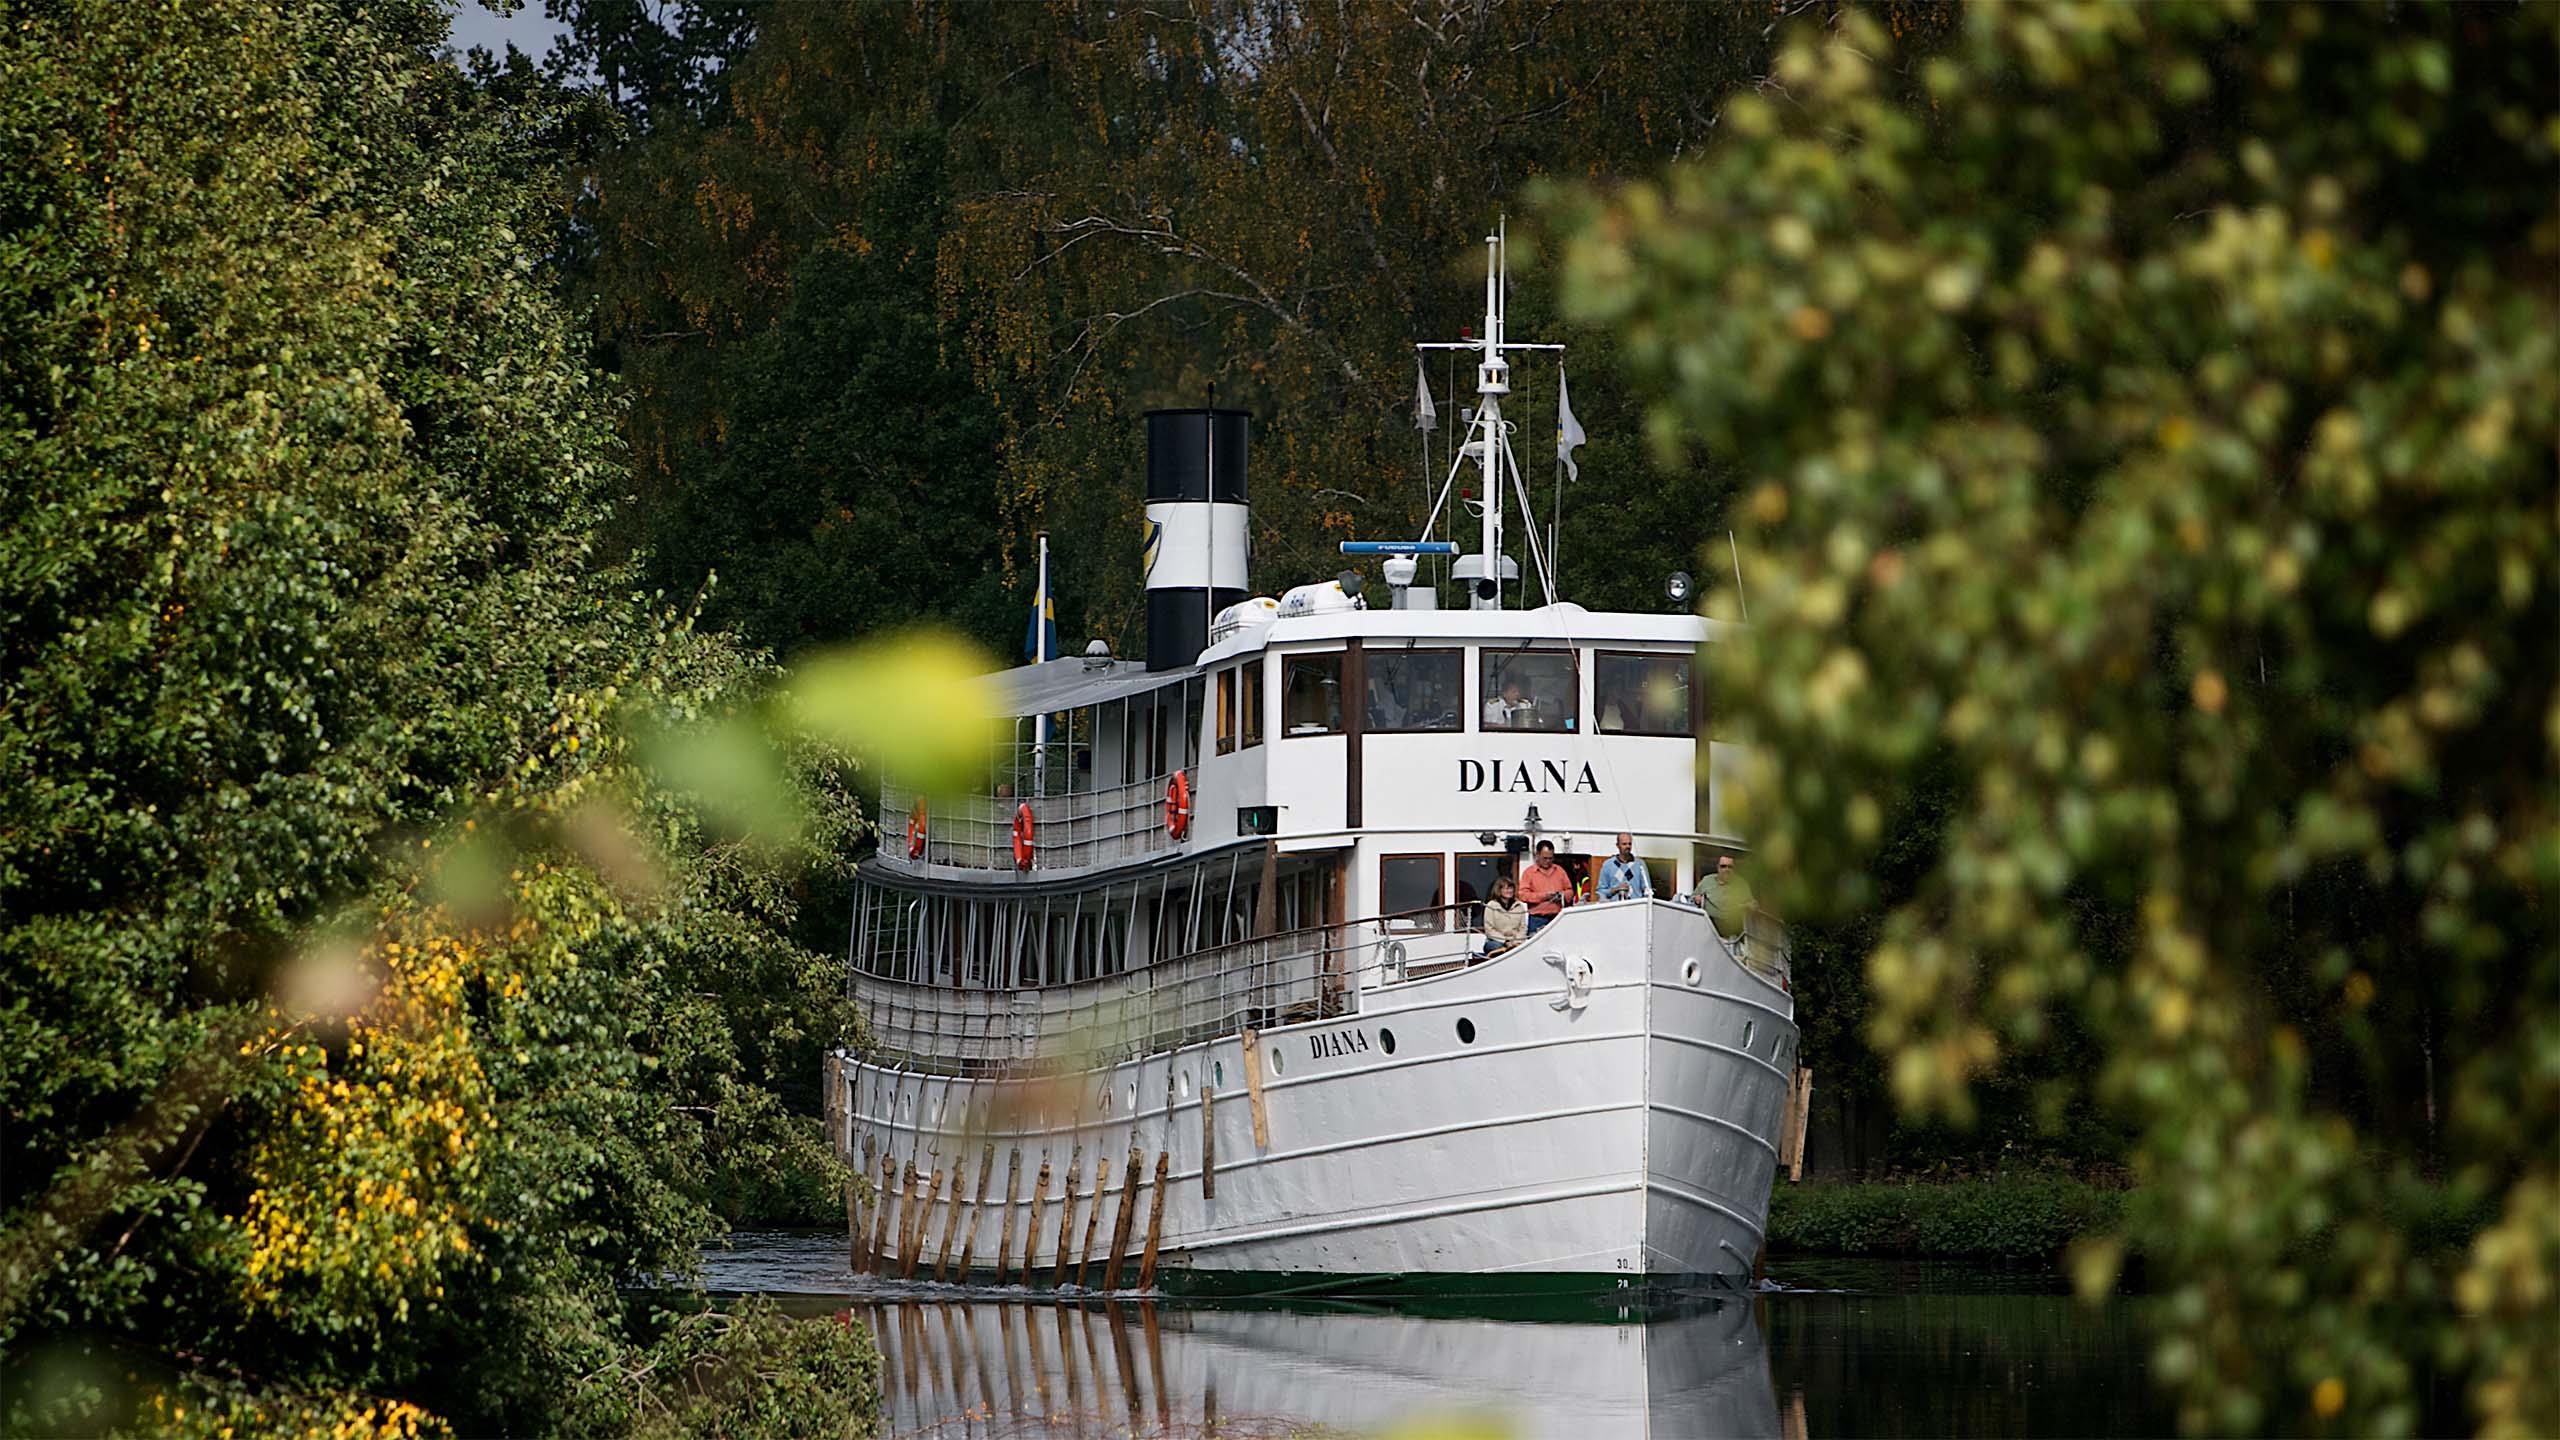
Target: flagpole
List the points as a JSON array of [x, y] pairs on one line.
[[1040, 655]]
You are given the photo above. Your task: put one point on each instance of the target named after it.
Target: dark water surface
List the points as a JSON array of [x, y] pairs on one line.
[[1832, 1348]]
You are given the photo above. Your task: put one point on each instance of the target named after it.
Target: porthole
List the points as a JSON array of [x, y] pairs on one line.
[[1104, 1100], [1387, 1040], [1218, 1073], [1689, 970], [942, 1110], [1132, 1096], [1183, 1085], [1746, 1033], [1466, 1031], [1275, 1060]]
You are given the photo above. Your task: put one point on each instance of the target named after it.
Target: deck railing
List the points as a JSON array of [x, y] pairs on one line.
[[1316, 973], [1068, 831], [1313, 973]]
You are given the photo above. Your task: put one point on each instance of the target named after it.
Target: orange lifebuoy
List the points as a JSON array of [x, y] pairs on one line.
[[1177, 805], [915, 832], [1022, 836]]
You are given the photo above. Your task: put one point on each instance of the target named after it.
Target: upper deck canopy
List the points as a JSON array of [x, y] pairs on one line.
[[1563, 623], [1073, 683]]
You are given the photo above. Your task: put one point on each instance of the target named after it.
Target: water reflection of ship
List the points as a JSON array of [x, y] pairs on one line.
[[983, 1368]]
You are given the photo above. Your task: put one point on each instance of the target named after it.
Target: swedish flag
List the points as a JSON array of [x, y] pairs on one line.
[[1040, 639]]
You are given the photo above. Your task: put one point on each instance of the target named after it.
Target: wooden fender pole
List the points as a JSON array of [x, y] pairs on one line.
[[1067, 1220], [911, 1220], [1208, 1142], [936, 1191], [978, 1209], [950, 1220], [1093, 1217], [1155, 1223], [880, 1216], [1031, 1231], [1804, 1113], [1253, 1089], [1121, 1224], [861, 1212], [1012, 1183], [853, 1218]]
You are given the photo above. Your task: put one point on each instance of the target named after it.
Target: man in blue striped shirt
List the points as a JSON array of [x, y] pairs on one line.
[[1623, 876]]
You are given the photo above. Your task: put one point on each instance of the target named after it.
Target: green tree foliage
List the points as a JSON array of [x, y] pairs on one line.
[[2153, 410], [1082, 212], [651, 59], [371, 1018]]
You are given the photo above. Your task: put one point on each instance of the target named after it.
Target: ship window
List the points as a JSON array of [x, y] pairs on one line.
[[1665, 875], [1193, 692], [1311, 694], [1250, 723], [1226, 712], [1476, 874], [1408, 884], [1641, 694], [1412, 690], [1530, 690]]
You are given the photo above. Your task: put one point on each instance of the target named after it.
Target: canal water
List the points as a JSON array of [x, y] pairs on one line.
[[1828, 1348]]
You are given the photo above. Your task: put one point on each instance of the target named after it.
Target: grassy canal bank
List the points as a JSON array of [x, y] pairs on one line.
[[2000, 1218], [2031, 1217]]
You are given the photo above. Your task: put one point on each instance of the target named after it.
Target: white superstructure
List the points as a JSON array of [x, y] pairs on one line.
[[1193, 995]]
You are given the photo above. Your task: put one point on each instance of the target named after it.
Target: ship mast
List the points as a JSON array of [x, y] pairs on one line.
[[1493, 381], [1488, 447]]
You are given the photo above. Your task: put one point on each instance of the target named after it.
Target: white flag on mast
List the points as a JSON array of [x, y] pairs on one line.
[[1568, 429], [1426, 416]]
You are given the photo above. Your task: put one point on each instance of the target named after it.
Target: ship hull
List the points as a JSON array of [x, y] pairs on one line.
[[1520, 1124]]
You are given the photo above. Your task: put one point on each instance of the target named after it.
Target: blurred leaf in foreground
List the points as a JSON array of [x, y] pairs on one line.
[[2153, 410], [915, 704]]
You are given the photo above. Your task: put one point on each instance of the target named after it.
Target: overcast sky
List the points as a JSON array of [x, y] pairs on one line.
[[529, 30]]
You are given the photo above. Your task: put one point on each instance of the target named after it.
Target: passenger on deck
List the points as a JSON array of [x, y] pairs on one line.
[[1623, 876], [1506, 920], [1613, 711], [1387, 710], [1726, 897], [1546, 887]]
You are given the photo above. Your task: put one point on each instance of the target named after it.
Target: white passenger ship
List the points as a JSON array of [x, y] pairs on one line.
[[1192, 997]]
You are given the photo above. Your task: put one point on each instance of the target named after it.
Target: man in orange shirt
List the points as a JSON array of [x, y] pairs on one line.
[[1545, 887]]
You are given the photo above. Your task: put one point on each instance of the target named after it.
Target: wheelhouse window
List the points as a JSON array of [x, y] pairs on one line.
[[1415, 690], [1530, 690], [1251, 689], [1311, 694], [1409, 888], [1641, 694], [1226, 712]]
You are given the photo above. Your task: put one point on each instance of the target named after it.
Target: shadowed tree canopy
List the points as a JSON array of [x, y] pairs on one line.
[[1088, 211]]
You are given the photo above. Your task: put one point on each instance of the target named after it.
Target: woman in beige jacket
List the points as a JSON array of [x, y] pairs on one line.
[[1506, 920]]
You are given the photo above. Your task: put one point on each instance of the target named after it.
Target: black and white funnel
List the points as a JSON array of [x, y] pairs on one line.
[[1196, 529]]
